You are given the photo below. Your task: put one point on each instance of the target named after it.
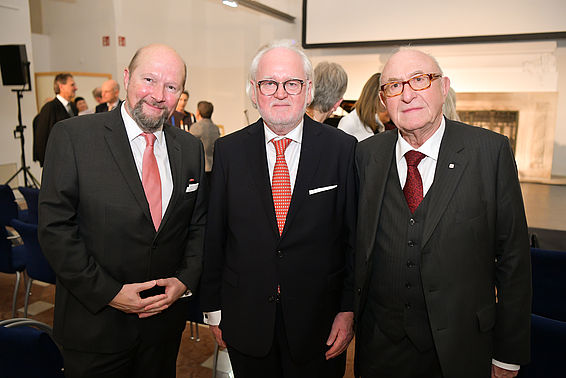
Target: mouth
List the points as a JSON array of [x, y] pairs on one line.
[[410, 110], [153, 105]]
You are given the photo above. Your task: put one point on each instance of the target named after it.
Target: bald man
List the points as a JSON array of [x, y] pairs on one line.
[[110, 91], [442, 253], [122, 220]]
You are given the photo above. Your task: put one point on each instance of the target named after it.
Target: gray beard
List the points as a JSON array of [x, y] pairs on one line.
[[147, 124]]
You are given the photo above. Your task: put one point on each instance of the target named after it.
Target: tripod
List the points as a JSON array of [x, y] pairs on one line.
[[19, 134]]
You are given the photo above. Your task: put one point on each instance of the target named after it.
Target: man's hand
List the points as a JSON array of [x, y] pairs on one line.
[[174, 289], [497, 372], [341, 334], [217, 333], [129, 301]]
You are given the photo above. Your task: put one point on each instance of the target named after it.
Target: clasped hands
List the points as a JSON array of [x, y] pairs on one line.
[[129, 300]]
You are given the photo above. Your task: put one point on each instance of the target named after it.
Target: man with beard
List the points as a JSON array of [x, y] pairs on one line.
[[277, 278], [122, 213]]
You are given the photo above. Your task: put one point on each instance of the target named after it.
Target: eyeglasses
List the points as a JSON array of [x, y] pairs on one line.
[[270, 87], [417, 83]]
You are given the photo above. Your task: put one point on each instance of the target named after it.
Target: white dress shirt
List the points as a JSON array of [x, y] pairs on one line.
[[353, 125], [292, 156], [66, 103], [137, 144], [427, 168]]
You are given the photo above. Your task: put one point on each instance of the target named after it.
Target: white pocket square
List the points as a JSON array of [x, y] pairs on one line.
[[322, 189], [191, 187]]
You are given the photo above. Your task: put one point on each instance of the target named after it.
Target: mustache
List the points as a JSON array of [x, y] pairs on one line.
[[155, 104]]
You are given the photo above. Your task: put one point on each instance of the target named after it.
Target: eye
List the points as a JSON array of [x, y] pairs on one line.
[[148, 79], [394, 85], [418, 78], [172, 88]]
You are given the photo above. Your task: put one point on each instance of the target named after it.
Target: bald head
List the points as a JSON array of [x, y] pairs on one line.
[[110, 91], [153, 50]]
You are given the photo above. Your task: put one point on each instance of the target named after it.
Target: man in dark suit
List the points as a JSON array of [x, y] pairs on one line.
[[121, 221], [442, 252], [110, 91], [56, 110], [278, 255]]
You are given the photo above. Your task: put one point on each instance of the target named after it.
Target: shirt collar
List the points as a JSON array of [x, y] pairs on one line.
[[430, 148], [132, 128], [296, 135], [62, 100]]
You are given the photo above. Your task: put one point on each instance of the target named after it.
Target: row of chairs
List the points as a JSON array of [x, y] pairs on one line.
[[27, 257]]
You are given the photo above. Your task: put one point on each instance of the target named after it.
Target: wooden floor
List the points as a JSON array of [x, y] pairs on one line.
[[545, 207]]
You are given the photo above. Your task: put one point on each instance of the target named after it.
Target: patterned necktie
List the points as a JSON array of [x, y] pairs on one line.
[[151, 180], [413, 189], [281, 183]]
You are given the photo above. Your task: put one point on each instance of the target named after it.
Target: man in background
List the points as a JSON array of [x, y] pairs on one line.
[[330, 83], [206, 131], [97, 94], [110, 99], [277, 278], [58, 109], [442, 253], [121, 221]]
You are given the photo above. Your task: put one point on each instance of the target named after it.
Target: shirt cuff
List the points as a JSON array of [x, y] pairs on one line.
[[505, 366], [212, 318]]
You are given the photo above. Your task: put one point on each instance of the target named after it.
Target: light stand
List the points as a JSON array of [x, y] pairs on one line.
[[19, 134]]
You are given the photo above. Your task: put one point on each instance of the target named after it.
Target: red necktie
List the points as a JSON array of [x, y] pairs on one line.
[[281, 183], [413, 189], [151, 180]]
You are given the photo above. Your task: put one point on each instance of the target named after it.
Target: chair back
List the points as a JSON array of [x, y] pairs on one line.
[[8, 205], [28, 351], [37, 266], [549, 283], [548, 354], [12, 259], [31, 195]]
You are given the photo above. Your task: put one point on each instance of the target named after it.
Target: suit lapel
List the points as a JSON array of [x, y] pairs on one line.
[[451, 164], [259, 174], [375, 175], [311, 151], [175, 162], [119, 145]]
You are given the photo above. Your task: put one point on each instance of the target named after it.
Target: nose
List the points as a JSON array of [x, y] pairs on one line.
[[280, 93], [408, 93], [158, 93]]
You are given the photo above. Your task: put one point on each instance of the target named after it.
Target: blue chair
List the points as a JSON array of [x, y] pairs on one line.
[[549, 283], [8, 205], [27, 350], [12, 260], [37, 267], [31, 195], [548, 351]]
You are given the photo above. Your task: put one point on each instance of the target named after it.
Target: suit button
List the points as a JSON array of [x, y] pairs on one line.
[[411, 243], [359, 290], [271, 298], [408, 306], [410, 264], [408, 285], [412, 222], [279, 254]]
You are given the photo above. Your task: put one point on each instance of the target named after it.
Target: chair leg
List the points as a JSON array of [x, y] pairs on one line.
[[28, 292], [191, 328], [215, 365], [15, 297]]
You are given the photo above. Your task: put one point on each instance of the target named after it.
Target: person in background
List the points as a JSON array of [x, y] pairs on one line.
[[205, 130], [56, 110], [122, 211], [330, 83], [110, 96], [82, 106], [368, 116], [97, 94], [180, 117], [443, 267], [277, 276], [449, 107]]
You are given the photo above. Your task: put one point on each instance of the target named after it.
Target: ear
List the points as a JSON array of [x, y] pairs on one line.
[[126, 78], [445, 86], [309, 92], [382, 100], [336, 105], [254, 93]]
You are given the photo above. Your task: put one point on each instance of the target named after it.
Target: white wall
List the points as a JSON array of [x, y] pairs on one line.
[[15, 29]]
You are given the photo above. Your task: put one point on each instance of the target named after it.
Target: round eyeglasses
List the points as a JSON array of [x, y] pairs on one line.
[[270, 87], [417, 83]]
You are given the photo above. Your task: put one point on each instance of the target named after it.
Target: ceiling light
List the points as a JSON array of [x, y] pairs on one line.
[[230, 3]]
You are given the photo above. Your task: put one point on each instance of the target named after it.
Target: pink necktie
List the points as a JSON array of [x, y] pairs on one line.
[[281, 183], [151, 180], [413, 189]]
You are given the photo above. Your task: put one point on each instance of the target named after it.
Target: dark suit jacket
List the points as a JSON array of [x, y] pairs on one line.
[[96, 231], [245, 258], [51, 113], [101, 108], [475, 238]]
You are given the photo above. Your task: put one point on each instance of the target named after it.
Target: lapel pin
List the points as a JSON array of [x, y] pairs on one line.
[[451, 165]]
